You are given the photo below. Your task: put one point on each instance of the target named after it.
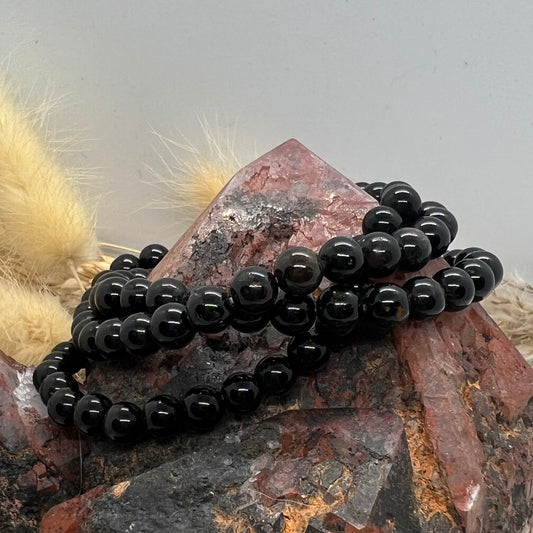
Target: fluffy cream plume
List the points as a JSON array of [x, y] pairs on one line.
[[195, 175], [32, 322], [44, 226], [511, 306]]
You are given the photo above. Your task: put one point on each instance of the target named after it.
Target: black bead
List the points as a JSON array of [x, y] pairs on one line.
[[164, 415], [89, 413], [248, 322], [465, 252], [437, 232], [491, 260], [381, 218], [387, 302], [45, 368], [71, 361], [61, 406], [447, 217], [382, 254], [458, 286], [293, 315], [298, 271], [105, 296], [393, 185], [362, 184], [54, 382], [124, 262], [254, 290], [85, 316], [404, 199], [415, 247], [481, 274], [170, 325], [105, 274], [204, 405], [426, 297], [81, 308], [133, 295], [307, 353], [87, 341], [241, 392], [136, 336], [210, 309], [77, 327], [151, 255], [142, 273], [375, 188], [450, 256], [107, 339], [275, 375], [124, 422], [338, 307], [429, 204], [164, 291], [85, 295], [341, 259]]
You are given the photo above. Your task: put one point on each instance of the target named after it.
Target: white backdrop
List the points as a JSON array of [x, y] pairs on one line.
[[435, 93]]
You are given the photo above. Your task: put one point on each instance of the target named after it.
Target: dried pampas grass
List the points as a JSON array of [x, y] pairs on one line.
[[32, 323], [511, 307], [194, 176], [44, 227]]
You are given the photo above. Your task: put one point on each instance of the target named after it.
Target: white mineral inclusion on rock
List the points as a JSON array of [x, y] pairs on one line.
[[26, 395]]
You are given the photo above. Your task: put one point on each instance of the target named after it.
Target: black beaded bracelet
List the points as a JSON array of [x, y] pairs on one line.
[[124, 314]]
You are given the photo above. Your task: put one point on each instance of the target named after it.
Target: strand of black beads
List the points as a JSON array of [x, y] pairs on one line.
[[124, 314]]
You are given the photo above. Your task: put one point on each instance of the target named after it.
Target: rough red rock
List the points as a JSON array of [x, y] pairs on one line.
[[427, 430]]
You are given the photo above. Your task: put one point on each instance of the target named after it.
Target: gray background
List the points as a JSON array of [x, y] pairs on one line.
[[435, 93]]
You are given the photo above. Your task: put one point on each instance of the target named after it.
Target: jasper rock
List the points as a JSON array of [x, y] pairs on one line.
[[427, 429]]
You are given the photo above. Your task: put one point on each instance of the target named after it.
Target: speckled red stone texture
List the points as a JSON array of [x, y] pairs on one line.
[[427, 430]]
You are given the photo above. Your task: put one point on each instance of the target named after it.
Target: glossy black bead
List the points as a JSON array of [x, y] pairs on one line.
[[61, 406], [293, 315], [77, 327], [133, 295], [54, 382], [105, 296], [170, 325], [481, 274], [338, 307], [124, 422], [135, 334], [204, 405], [447, 217], [105, 274], [465, 252], [362, 184], [307, 353], [142, 273], [298, 271], [382, 254], [387, 302], [107, 339], [65, 347], [381, 218], [393, 185], [429, 204], [87, 341], [164, 415], [458, 286], [341, 259], [426, 298], [89, 413], [437, 232], [241, 392], [491, 260], [403, 199], [254, 290], [450, 256], [415, 248], [85, 295], [85, 316], [375, 188], [124, 262], [45, 368], [164, 291], [71, 361], [151, 255], [275, 375], [210, 309], [248, 322], [81, 308]]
